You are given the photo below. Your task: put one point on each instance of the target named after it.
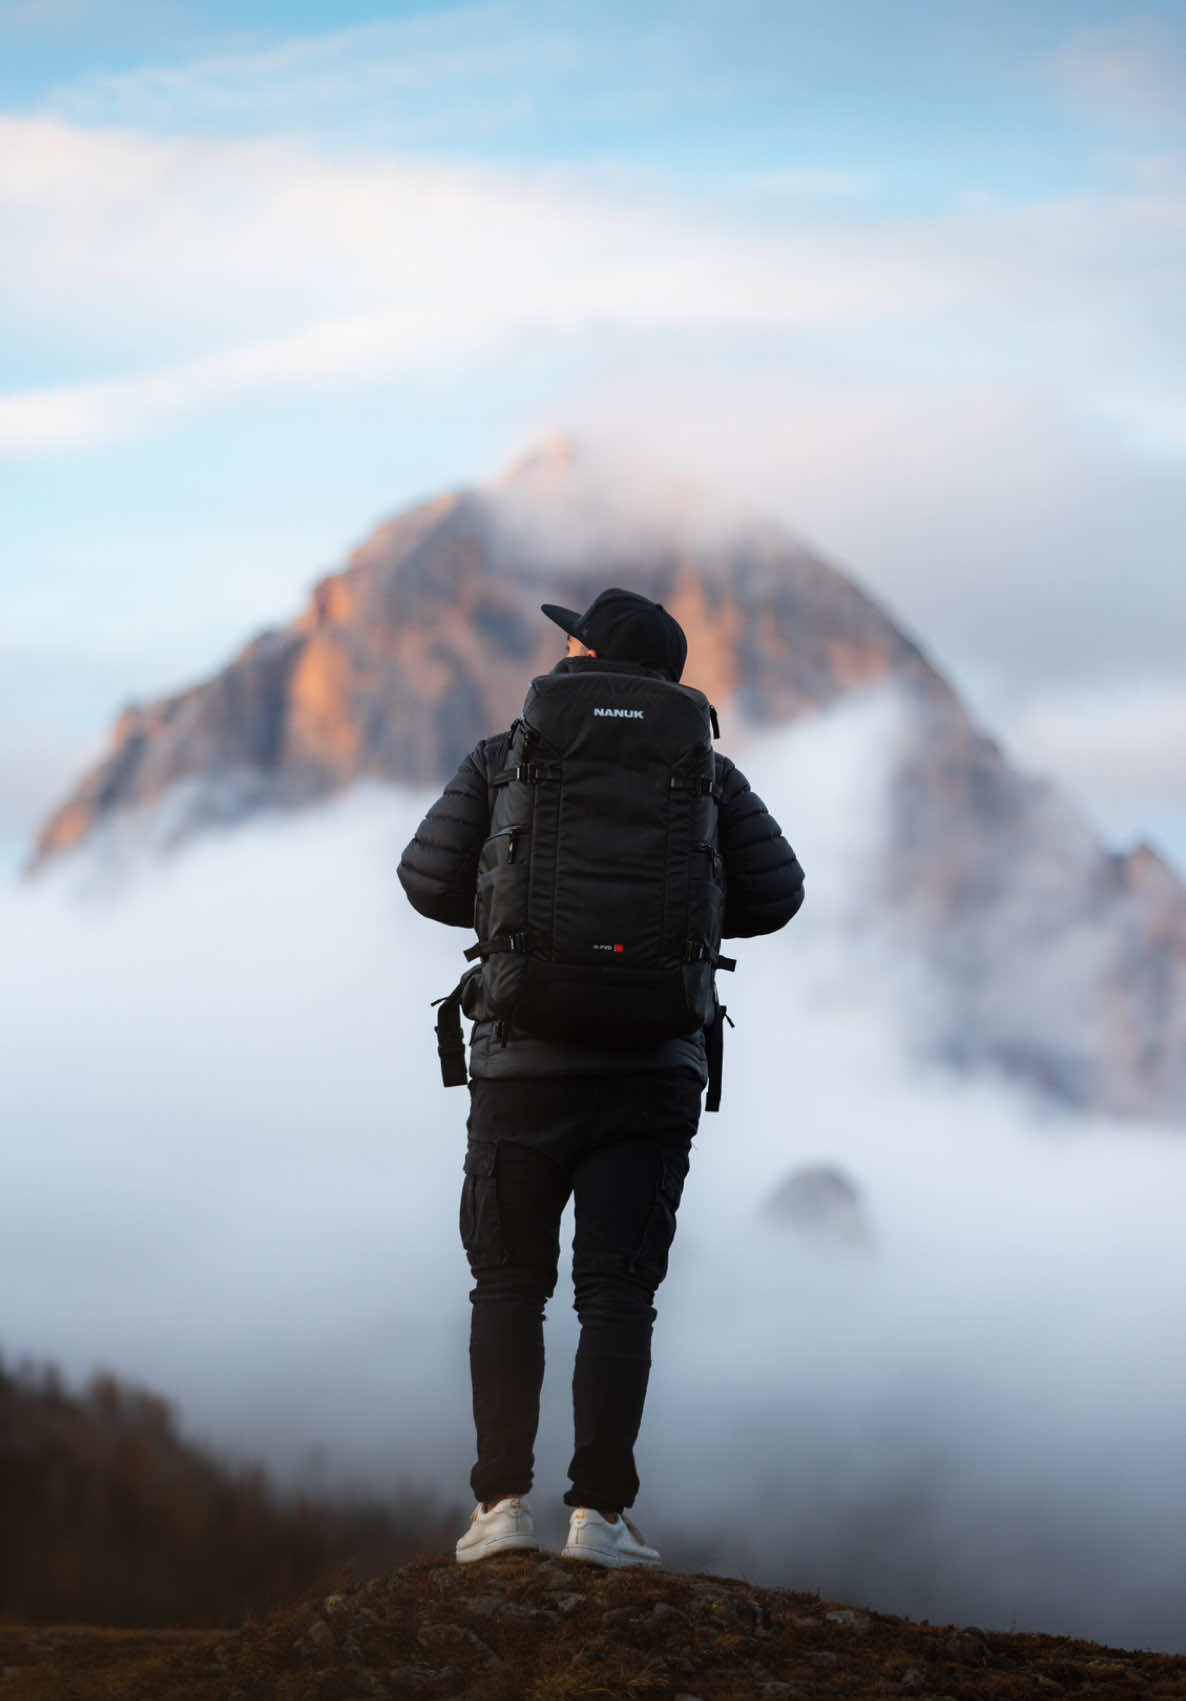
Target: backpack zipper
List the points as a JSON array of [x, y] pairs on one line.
[[714, 855], [509, 834]]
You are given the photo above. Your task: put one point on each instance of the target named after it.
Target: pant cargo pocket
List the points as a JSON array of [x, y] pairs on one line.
[[480, 1223], [651, 1257]]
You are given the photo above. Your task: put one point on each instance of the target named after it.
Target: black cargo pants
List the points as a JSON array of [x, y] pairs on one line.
[[619, 1145]]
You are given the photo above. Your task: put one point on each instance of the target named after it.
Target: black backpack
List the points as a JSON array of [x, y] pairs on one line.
[[600, 888]]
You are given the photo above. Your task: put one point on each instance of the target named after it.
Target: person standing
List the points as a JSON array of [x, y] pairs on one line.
[[609, 1124]]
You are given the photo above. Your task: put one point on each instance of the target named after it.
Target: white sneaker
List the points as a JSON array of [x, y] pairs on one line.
[[596, 1541], [506, 1527]]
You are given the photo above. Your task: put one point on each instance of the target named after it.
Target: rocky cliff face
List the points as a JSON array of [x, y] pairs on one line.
[[1055, 959], [424, 642]]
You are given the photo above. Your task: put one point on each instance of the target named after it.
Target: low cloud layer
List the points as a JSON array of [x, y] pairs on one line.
[[230, 1171]]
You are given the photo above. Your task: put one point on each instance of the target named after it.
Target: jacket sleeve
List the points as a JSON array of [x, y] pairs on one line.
[[764, 882], [439, 868]]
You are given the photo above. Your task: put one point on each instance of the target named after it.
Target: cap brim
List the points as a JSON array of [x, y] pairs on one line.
[[566, 618]]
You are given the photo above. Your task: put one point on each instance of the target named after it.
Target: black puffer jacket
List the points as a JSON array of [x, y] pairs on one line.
[[438, 871]]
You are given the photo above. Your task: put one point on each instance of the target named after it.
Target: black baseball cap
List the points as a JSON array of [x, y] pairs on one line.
[[623, 626]]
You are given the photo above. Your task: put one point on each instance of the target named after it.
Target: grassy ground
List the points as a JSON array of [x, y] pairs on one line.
[[530, 1628]]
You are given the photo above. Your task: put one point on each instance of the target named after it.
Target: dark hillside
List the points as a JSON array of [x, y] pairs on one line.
[[531, 1628], [108, 1517]]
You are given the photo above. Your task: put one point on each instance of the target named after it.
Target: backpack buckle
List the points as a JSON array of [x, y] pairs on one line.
[[527, 773]]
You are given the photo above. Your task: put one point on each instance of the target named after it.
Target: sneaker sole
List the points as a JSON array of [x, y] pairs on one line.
[[608, 1559], [500, 1544]]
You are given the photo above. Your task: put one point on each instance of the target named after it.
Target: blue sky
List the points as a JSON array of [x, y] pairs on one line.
[[909, 276]]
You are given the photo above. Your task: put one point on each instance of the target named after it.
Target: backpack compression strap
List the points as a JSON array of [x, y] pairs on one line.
[[529, 773], [450, 1042], [714, 1045], [501, 943], [696, 784], [696, 951]]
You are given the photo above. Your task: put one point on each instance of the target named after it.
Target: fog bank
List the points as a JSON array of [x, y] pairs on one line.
[[230, 1172]]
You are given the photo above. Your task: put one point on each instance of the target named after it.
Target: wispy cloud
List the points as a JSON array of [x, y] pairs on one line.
[[282, 265], [43, 14], [76, 415], [1158, 421], [808, 182], [483, 68], [316, 70], [1133, 71], [202, 269]]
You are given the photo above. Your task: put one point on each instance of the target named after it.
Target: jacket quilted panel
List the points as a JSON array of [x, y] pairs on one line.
[[439, 868]]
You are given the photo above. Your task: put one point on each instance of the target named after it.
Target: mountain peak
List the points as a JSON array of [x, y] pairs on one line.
[[425, 640], [554, 458]]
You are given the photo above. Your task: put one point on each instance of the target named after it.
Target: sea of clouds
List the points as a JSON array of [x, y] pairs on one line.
[[230, 1173]]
